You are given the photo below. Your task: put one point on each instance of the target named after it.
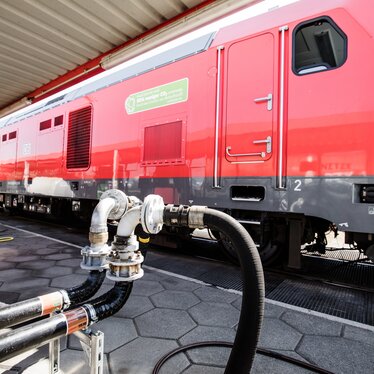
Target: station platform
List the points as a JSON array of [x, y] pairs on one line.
[[167, 310]]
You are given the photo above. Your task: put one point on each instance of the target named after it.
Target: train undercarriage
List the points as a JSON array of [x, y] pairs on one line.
[[279, 237]]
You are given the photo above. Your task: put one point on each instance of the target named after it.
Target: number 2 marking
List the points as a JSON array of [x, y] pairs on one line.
[[298, 185]]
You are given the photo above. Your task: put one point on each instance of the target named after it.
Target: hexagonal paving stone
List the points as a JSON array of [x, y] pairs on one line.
[[175, 299], [67, 281], [215, 295], [6, 265], [312, 325], [8, 275], [204, 333], [59, 256], [217, 356], [53, 272], [173, 283], [117, 332], [361, 335], [8, 297], [337, 354], [268, 365], [215, 314], [46, 251], [140, 355], [71, 362], [25, 284], [176, 364], [31, 293], [164, 323], [237, 303], [199, 369], [36, 265], [71, 262], [151, 275], [146, 288], [273, 311], [276, 334], [135, 306], [23, 258]]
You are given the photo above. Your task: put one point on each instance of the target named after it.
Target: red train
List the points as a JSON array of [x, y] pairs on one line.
[[269, 119]]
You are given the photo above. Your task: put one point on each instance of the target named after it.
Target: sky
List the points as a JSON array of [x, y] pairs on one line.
[[252, 11]]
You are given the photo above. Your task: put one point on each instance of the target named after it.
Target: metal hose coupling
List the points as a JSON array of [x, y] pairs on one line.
[[184, 216]]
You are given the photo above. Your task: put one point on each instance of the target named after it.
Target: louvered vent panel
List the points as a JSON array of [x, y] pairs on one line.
[[163, 142], [79, 139]]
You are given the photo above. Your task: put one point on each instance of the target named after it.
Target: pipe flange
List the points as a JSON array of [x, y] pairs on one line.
[[126, 270], [152, 214], [117, 278], [121, 203], [93, 259]]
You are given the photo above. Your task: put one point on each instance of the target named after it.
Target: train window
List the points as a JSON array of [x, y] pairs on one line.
[[5, 138], [45, 125], [59, 121], [79, 139], [319, 45], [163, 143], [12, 135]]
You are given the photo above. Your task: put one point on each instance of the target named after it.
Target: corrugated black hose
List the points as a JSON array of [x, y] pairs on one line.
[[26, 310], [252, 310], [244, 347], [34, 334], [88, 288]]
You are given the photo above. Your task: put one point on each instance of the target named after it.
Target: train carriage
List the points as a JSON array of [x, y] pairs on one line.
[[269, 119]]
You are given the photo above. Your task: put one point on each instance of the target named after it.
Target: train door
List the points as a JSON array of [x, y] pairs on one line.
[[8, 153], [50, 141], [250, 96]]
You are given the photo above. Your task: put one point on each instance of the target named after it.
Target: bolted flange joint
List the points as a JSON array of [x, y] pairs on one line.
[[125, 260], [94, 258]]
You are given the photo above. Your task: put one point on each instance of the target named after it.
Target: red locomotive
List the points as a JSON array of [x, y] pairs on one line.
[[269, 119]]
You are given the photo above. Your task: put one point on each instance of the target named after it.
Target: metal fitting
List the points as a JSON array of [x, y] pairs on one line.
[[196, 217], [94, 258], [176, 215], [121, 203], [125, 260], [152, 214], [65, 299], [97, 238], [91, 312]]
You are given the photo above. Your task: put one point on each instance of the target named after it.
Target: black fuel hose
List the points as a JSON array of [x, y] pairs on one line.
[[66, 323], [252, 310], [26, 310], [88, 288], [265, 352]]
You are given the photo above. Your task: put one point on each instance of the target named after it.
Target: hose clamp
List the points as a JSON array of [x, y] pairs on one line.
[[91, 314], [196, 217], [65, 299]]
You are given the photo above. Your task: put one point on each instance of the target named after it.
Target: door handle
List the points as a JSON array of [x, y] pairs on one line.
[[268, 99], [228, 149], [266, 141]]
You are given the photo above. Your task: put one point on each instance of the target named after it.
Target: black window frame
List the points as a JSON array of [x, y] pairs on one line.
[[309, 22]]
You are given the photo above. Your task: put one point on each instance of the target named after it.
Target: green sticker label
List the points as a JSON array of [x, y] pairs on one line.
[[156, 97]]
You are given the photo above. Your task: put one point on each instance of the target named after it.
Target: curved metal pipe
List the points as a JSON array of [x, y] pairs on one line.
[[100, 215], [128, 222]]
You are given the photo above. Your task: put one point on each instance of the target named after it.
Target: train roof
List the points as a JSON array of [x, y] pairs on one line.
[[177, 53]]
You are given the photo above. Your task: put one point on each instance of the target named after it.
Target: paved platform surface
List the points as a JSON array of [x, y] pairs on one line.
[[166, 311]]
